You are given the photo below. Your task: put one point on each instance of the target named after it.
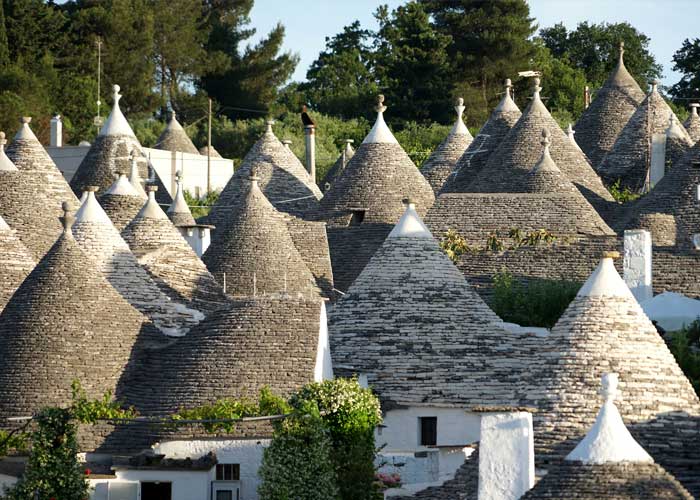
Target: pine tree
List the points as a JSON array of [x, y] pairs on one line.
[[4, 49]]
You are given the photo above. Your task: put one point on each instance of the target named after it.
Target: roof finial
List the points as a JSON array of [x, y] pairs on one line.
[[3, 141], [459, 108], [67, 219], [172, 114], [694, 108], [178, 176], [536, 89], [254, 177], [570, 131], [622, 49], [509, 86], [116, 95], [654, 84], [546, 141], [380, 108], [25, 120], [611, 254], [268, 125], [609, 386]]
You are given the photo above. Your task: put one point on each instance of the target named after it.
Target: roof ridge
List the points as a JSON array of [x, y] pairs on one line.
[[116, 123]]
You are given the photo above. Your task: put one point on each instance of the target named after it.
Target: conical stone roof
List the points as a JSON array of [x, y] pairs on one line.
[[170, 260], [608, 464], [418, 330], [604, 329], [252, 343], [174, 138], [507, 168], [283, 180], [629, 158], [378, 178], [339, 165], [502, 119], [545, 177], [692, 124], [65, 322], [100, 240], [111, 153], [613, 106], [16, 262], [441, 162], [214, 152], [255, 251], [121, 202], [27, 205], [179, 212], [28, 155]]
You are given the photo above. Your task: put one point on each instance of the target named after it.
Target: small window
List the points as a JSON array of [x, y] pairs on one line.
[[357, 217], [428, 431], [228, 472]]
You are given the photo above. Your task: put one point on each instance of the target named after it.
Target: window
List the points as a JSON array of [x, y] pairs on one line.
[[156, 491], [428, 431], [228, 472], [357, 217]]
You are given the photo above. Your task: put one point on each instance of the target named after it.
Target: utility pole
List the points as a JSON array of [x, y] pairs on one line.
[[98, 119], [209, 151]]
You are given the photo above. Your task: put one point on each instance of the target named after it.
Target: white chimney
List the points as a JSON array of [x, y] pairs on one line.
[[637, 263], [506, 456], [56, 132]]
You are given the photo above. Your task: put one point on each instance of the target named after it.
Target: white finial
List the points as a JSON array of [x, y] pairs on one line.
[[179, 204], [151, 210], [380, 132], [67, 219], [654, 85], [5, 162], [545, 163], [90, 209], [509, 86], [254, 178], [116, 123], [410, 224], [605, 281], [24, 132], [507, 104], [268, 125], [3, 141], [115, 94], [380, 108], [536, 89], [694, 108], [608, 440], [570, 130], [135, 176], [622, 50], [459, 126]]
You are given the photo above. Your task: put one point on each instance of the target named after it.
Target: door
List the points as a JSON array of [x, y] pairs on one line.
[[156, 491]]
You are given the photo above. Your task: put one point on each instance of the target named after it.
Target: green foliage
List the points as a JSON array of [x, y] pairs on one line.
[[685, 346], [299, 461], [350, 413], [537, 303], [454, 245], [623, 195], [89, 411], [420, 140], [201, 206], [686, 61], [53, 470], [13, 441], [594, 49]]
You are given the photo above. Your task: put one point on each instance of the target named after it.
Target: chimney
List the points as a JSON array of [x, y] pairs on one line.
[[506, 455], [310, 136], [287, 143], [56, 132], [637, 263]]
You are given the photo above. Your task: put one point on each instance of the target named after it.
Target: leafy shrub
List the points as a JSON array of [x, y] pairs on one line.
[[454, 245], [201, 206], [685, 346], [622, 195], [537, 303]]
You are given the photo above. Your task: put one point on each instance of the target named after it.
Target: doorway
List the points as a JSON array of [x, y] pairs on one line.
[[156, 490]]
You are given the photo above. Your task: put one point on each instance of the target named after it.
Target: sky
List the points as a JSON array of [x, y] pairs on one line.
[[308, 22]]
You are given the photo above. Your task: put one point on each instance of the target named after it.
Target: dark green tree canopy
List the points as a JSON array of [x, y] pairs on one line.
[[687, 61]]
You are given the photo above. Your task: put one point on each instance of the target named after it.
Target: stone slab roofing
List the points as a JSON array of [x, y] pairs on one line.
[[417, 329], [170, 261], [214, 152], [16, 262], [613, 106], [692, 124], [27, 154], [174, 138], [255, 251], [283, 180], [441, 162], [502, 119], [121, 202], [311, 240], [178, 211], [30, 208], [111, 153], [100, 240], [254, 342], [615, 481], [339, 165], [604, 329], [65, 322], [507, 168], [629, 157]]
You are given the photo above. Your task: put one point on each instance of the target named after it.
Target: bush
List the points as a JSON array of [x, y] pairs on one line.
[[537, 303], [201, 206], [685, 346]]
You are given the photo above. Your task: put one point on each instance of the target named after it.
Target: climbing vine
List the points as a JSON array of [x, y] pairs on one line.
[[454, 244]]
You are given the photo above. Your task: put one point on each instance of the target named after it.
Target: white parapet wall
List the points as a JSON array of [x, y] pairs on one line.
[[637, 263], [506, 456], [166, 164]]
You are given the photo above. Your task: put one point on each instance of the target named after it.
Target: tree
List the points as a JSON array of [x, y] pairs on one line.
[[53, 470], [594, 49], [412, 65], [686, 60], [253, 78], [490, 42], [340, 81], [4, 48]]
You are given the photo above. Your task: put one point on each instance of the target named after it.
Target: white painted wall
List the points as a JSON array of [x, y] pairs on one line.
[[199, 238], [657, 168], [324, 366], [166, 163], [637, 263], [455, 429], [506, 456]]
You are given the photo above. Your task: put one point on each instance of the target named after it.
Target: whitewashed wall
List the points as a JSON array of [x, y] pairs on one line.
[[166, 163]]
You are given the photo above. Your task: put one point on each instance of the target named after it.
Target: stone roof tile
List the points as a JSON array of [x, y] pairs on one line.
[[174, 138]]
